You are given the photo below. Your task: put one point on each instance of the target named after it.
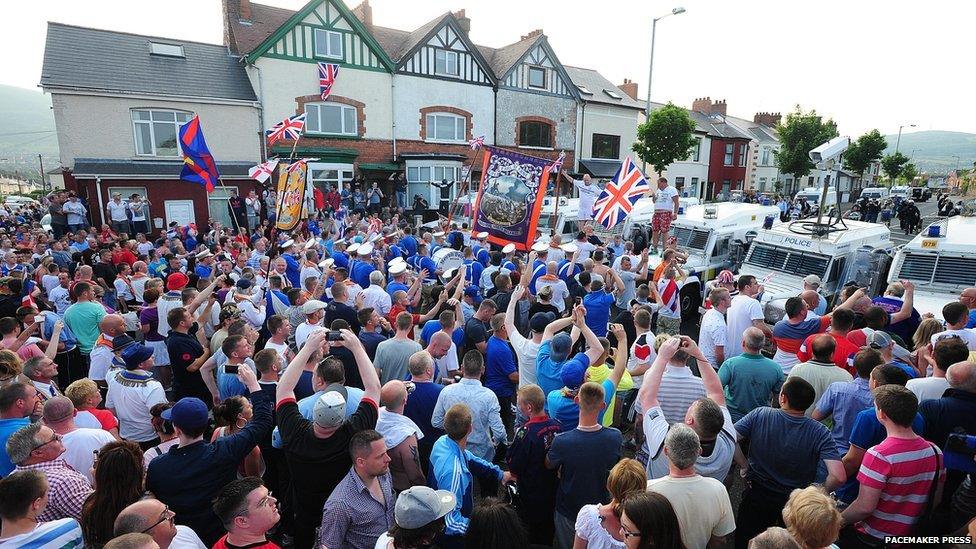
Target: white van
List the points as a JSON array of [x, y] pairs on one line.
[[813, 195], [902, 192], [875, 193]]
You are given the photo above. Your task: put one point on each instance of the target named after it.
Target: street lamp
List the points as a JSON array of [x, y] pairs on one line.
[[898, 142], [650, 70]]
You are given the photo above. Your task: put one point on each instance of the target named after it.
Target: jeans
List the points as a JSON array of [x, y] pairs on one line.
[[141, 226], [401, 198], [120, 226], [71, 228], [565, 531], [252, 221]]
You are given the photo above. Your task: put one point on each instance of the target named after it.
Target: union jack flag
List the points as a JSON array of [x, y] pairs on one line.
[[289, 128], [327, 77], [476, 143], [558, 164], [296, 165], [621, 193], [263, 171]]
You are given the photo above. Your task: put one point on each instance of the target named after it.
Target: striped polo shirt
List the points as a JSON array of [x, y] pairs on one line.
[[679, 389], [903, 469]]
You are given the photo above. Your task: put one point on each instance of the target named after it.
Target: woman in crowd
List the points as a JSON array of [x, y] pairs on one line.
[[164, 430], [118, 474], [648, 520], [231, 416], [812, 518], [598, 526], [922, 341], [495, 524]]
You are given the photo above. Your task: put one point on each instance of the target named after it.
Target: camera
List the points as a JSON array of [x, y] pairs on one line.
[[333, 335], [829, 152], [232, 369], [959, 452]]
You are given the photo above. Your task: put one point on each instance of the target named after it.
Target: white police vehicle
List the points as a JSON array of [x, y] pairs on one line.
[[781, 257]]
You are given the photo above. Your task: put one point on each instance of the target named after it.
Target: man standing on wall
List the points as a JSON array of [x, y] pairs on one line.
[[665, 211]]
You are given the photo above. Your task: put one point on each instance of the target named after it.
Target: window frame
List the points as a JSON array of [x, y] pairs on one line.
[[151, 123], [220, 195], [695, 155], [457, 62], [163, 50], [742, 154], [434, 195], [729, 154], [766, 153], [340, 179], [432, 127], [343, 108], [523, 124], [545, 77], [593, 143], [329, 54]]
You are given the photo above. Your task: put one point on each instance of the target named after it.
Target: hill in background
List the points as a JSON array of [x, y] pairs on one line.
[[26, 130], [935, 151]]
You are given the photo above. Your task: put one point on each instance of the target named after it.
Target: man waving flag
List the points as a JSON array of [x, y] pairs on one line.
[[621, 193], [198, 164]]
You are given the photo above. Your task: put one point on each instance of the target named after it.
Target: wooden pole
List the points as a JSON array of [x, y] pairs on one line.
[[467, 185]]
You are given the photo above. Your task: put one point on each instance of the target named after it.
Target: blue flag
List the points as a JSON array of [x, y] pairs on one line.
[[198, 164]]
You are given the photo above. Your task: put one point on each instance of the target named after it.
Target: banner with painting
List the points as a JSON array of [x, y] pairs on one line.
[[510, 196], [291, 196]]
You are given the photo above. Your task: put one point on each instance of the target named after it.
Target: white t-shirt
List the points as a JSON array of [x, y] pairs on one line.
[[526, 351], [447, 363], [702, 505], [715, 465], [131, 403], [186, 538], [967, 335], [282, 349], [587, 197], [138, 210], [378, 298], [589, 528], [664, 198], [302, 332], [80, 446], [100, 362], [585, 248], [144, 247], [50, 282], [559, 291], [309, 272], [928, 388], [641, 353], [117, 210], [712, 334], [743, 311], [61, 299]]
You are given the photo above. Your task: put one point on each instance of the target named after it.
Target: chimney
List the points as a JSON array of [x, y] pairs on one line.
[[767, 118], [364, 12], [629, 87], [702, 105], [719, 107], [532, 34], [464, 21], [245, 10]]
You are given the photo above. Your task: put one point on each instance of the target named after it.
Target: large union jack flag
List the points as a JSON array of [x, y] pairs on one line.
[[621, 193], [289, 128], [327, 77]]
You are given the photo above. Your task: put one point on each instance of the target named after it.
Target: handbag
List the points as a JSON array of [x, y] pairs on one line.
[[927, 523]]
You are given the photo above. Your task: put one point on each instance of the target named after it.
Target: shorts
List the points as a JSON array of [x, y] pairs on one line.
[[160, 354], [661, 222], [668, 325]]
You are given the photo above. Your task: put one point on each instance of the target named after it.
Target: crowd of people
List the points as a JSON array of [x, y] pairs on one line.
[[338, 387]]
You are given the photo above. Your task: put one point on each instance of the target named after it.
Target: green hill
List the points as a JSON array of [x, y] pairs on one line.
[[935, 151], [26, 130]]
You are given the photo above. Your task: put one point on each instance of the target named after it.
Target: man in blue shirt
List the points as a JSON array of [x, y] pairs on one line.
[[17, 402], [562, 404], [422, 401], [409, 242], [501, 369], [481, 249], [555, 347], [363, 266], [597, 303]]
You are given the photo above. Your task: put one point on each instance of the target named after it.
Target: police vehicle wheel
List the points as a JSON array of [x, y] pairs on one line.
[[690, 301]]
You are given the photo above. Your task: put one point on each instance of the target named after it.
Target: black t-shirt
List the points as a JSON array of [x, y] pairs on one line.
[[538, 307], [475, 331], [105, 271], [318, 464], [336, 310], [183, 350], [353, 379]]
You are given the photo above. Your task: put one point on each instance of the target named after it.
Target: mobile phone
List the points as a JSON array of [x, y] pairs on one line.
[[577, 300], [333, 335], [232, 368]]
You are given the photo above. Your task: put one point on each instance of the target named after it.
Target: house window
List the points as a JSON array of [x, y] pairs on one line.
[[765, 156], [612, 94], [584, 90], [537, 77], [535, 134], [606, 146], [728, 153], [445, 127], [696, 152], [218, 203], [694, 185], [420, 176], [324, 176], [742, 155], [331, 118], [762, 184], [445, 63], [168, 50], [156, 131], [679, 182], [328, 44]]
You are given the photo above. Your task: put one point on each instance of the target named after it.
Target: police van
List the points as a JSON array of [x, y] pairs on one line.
[[780, 257], [813, 196], [875, 193], [940, 261]]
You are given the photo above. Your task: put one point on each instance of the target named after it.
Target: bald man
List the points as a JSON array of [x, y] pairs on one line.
[[102, 355], [444, 351], [80, 444], [401, 436], [812, 299], [151, 517], [968, 298]]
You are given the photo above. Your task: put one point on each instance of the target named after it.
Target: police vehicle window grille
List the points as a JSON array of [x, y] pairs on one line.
[[957, 271], [788, 261], [698, 239], [917, 267], [807, 264], [767, 256], [682, 235]]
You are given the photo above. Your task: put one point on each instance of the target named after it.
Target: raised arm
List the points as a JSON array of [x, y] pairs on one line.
[[713, 386], [207, 372], [286, 385], [647, 395], [908, 305], [594, 347], [556, 326], [371, 382], [620, 355], [203, 295], [517, 294], [52, 346]]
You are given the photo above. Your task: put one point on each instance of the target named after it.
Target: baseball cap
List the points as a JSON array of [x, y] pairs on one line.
[[312, 305], [878, 340], [136, 354], [812, 279], [539, 321], [188, 413], [472, 292], [177, 281], [330, 408], [560, 345], [418, 506], [243, 284], [572, 374]]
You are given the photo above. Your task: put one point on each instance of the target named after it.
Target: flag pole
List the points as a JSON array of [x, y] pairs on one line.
[[555, 210], [467, 185]]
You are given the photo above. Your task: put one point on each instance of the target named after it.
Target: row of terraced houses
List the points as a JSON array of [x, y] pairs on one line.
[[404, 101]]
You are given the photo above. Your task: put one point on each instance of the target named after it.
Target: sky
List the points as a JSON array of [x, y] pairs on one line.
[[865, 63]]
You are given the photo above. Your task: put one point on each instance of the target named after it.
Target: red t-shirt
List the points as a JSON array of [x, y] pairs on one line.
[[319, 199], [104, 417], [842, 353], [222, 544], [395, 311]]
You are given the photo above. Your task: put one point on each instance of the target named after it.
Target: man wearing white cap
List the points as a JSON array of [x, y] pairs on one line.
[[360, 271], [538, 258], [293, 269], [508, 262], [314, 311], [481, 248]]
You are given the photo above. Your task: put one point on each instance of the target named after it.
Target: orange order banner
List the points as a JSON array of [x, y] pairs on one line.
[[291, 197]]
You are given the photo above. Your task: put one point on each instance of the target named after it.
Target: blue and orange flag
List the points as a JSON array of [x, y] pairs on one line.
[[198, 164]]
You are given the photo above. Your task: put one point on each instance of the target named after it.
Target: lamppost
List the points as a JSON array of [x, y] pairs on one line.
[[650, 70], [898, 142]]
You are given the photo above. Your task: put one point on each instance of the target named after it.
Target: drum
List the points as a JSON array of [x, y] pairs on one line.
[[447, 258]]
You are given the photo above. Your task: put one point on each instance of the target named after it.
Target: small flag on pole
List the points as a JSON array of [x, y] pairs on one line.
[[558, 164], [263, 171], [327, 77], [289, 128], [198, 164], [476, 143], [294, 166]]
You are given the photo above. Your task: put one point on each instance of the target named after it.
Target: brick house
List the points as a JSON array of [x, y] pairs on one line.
[[729, 149]]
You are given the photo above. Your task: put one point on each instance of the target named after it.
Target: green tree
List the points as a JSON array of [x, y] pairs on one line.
[[667, 136], [909, 172], [867, 149], [798, 135], [893, 164]]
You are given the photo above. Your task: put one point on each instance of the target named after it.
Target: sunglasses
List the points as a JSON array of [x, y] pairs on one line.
[[627, 534]]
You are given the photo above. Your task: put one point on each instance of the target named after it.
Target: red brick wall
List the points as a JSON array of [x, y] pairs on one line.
[[718, 171], [440, 108], [360, 108]]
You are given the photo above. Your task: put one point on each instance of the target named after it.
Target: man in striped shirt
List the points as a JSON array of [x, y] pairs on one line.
[[896, 476]]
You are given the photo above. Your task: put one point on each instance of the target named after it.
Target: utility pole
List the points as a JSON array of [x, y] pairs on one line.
[[41, 161]]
